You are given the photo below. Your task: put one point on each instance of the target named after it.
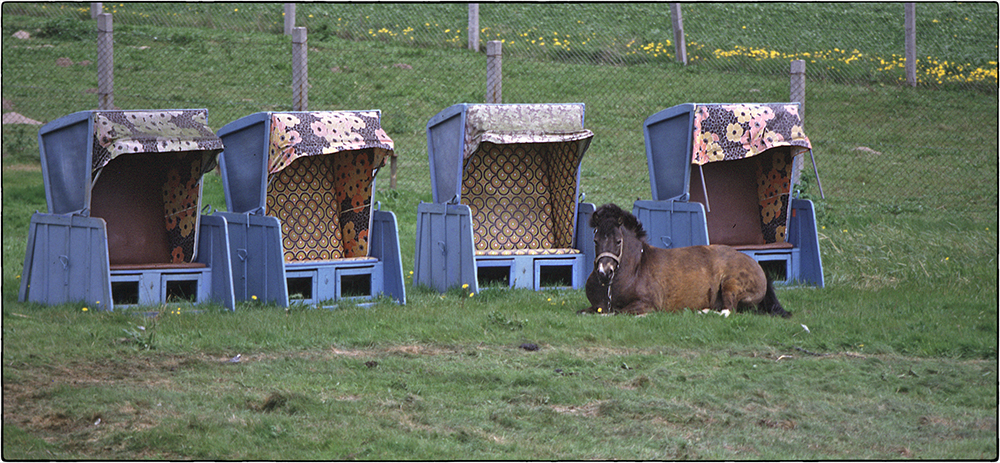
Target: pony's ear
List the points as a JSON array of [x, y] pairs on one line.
[[595, 218], [602, 213]]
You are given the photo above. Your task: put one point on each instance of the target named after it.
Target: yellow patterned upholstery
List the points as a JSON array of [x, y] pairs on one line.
[[324, 204], [774, 179], [522, 197]]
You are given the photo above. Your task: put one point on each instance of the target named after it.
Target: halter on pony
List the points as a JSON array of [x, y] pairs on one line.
[[617, 259]]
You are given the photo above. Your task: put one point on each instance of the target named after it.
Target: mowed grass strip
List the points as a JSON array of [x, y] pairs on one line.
[[476, 401]]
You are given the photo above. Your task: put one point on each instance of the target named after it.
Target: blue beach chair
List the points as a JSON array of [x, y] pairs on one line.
[[505, 210], [124, 223], [722, 174], [306, 180]]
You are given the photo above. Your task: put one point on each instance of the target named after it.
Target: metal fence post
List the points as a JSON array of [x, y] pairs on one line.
[[96, 9], [105, 62], [910, 20], [300, 70], [474, 27], [289, 18], [494, 72], [680, 46]]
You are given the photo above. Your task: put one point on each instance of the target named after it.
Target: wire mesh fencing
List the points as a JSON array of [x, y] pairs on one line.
[[413, 59]]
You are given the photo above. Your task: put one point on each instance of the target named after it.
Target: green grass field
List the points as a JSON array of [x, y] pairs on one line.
[[895, 359]]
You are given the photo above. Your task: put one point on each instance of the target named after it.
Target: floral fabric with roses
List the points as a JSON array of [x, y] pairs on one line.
[[321, 166], [725, 132]]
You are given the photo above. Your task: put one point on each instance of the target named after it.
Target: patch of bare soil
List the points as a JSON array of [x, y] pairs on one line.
[[590, 409], [15, 118], [26, 398], [23, 167]]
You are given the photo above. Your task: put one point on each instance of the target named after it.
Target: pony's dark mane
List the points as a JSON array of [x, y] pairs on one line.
[[610, 216]]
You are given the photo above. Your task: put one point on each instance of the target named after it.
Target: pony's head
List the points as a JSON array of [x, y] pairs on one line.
[[616, 232]]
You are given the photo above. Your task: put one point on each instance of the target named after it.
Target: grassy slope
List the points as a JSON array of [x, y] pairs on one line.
[[908, 318]]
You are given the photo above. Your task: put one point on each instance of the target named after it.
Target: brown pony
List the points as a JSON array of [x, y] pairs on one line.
[[630, 276]]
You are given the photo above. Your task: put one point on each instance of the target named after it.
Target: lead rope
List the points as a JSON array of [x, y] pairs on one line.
[[617, 260]]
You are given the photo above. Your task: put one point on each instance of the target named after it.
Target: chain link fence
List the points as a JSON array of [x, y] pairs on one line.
[[878, 142]]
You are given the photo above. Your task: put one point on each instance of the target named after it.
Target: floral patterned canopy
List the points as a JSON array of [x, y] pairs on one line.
[[725, 132], [325, 132], [125, 132]]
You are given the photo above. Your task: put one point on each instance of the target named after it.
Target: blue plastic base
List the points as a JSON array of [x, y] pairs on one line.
[[161, 286], [533, 272], [66, 260], [803, 235], [261, 273], [257, 258], [315, 283], [445, 255], [672, 224], [782, 264]]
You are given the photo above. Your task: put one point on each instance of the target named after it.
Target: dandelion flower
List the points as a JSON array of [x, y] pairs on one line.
[[84, 309], [465, 286]]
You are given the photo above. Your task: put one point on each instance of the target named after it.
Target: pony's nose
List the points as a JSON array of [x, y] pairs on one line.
[[606, 268]]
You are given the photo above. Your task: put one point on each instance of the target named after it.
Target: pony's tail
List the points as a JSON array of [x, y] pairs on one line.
[[770, 304]]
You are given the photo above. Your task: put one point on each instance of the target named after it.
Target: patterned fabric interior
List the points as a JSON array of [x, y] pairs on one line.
[[522, 197], [774, 179], [322, 166], [728, 132], [190, 149], [324, 204]]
